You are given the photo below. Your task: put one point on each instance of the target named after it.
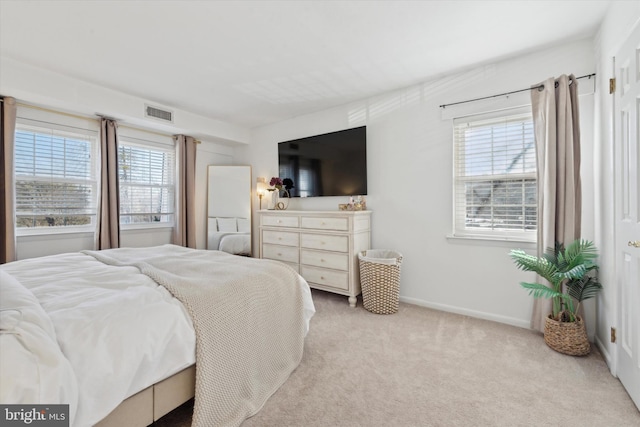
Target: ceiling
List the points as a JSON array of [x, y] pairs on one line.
[[252, 63]]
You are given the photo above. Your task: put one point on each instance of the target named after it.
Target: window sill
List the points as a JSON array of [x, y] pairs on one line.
[[147, 227], [53, 231], [494, 240]]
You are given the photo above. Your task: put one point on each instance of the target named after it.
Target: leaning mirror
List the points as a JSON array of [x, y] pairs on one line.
[[229, 209]]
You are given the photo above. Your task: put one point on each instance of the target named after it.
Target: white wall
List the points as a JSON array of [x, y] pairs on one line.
[[621, 18], [49, 89], [410, 179]]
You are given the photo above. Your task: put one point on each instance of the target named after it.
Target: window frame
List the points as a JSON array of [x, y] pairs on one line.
[[151, 142], [36, 122], [461, 178]]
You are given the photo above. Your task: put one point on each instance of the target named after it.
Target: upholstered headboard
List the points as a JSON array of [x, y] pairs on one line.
[[229, 225]]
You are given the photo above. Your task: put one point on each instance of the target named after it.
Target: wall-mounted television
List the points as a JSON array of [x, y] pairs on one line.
[[331, 164]]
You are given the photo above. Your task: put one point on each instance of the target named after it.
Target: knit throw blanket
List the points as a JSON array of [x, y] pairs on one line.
[[247, 315]]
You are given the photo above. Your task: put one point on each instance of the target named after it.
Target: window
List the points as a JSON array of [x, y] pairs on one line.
[[55, 178], [495, 177], [147, 183], [307, 178]]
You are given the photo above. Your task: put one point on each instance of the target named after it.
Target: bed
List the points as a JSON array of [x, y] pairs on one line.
[[126, 335], [231, 235]]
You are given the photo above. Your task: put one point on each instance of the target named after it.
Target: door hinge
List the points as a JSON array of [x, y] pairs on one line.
[[612, 85], [613, 334]]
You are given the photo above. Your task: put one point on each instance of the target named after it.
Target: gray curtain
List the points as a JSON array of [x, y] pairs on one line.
[[185, 230], [7, 181], [557, 134], [108, 218]]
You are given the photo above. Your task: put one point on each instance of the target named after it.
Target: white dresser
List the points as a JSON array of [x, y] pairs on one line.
[[322, 246]]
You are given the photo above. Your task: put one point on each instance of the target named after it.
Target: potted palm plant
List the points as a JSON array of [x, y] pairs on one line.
[[571, 275]]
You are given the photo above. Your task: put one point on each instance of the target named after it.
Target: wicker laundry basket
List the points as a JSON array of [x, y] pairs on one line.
[[380, 280]]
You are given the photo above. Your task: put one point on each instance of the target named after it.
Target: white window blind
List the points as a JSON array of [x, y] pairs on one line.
[[307, 179], [55, 177], [495, 177], [147, 184]]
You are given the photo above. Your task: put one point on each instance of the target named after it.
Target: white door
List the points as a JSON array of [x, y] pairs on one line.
[[627, 213]]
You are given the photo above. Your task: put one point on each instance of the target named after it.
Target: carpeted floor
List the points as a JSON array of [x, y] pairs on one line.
[[421, 367]]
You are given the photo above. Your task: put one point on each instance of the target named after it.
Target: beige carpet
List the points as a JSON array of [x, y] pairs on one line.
[[421, 367]]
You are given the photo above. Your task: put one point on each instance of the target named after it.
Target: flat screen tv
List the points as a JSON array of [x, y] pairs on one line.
[[332, 164]]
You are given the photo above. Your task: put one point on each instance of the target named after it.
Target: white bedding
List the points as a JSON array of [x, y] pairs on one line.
[[32, 366], [235, 243], [118, 331], [231, 235]]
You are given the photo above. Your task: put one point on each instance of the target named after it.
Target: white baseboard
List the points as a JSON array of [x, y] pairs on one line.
[[608, 359], [471, 313]]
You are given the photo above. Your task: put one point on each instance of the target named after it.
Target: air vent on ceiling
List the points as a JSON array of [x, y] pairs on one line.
[[158, 114]]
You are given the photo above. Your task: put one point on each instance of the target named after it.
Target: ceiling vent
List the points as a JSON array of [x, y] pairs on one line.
[[158, 114]]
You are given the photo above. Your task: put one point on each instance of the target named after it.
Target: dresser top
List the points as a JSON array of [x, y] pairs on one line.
[[308, 212]]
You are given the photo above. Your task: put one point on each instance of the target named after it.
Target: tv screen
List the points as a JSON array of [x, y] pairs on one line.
[[332, 164]]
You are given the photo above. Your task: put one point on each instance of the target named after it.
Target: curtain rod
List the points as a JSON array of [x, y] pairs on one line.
[[540, 87]]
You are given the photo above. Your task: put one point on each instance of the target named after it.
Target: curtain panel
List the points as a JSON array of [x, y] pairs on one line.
[[557, 135], [7, 180], [184, 233], [108, 220]]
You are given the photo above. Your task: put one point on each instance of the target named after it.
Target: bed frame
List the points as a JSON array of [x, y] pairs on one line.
[[146, 407]]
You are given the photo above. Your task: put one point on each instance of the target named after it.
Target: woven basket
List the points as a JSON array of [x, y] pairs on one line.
[[380, 282], [567, 337]]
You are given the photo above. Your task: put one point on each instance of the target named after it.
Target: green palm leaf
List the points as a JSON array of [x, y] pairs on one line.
[[537, 290], [541, 266], [575, 272], [580, 251], [583, 288], [561, 265]]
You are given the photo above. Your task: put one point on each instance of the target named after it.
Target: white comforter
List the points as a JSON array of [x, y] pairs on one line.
[[32, 366], [118, 333], [117, 328]]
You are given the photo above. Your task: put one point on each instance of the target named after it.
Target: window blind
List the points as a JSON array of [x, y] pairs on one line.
[[55, 177], [147, 184], [495, 177]]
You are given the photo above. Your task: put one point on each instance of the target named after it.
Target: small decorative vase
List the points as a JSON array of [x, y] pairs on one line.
[[275, 199], [567, 337]]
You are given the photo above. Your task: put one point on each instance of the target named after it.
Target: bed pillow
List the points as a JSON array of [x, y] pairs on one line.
[[243, 225], [227, 225]]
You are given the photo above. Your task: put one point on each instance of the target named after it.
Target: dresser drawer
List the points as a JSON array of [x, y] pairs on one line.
[[321, 276], [325, 259], [280, 253], [325, 242], [280, 221], [325, 223], [280, 238]]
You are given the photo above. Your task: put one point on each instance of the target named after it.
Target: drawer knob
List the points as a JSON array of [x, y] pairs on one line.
[[321, 259], [321, 277], [279, 254]]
